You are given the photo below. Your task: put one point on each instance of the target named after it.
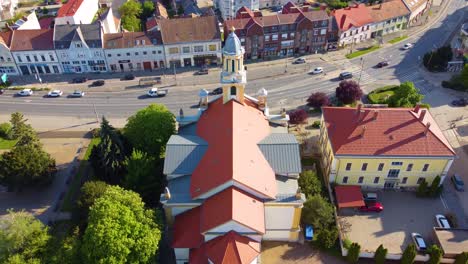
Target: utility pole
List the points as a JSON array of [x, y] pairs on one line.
[[286, 63], [360, 73], [175, 74]]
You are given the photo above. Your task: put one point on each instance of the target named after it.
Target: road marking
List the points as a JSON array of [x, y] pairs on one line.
[[443, 202]]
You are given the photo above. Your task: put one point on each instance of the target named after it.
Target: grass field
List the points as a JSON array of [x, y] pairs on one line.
[[397, 39], [7, 144], [381, 95], [362, 52]]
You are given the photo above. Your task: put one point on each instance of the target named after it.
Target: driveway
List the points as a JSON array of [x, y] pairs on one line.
[[289, 253]]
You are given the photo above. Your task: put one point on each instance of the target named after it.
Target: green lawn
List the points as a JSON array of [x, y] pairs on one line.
[[397, 39], [362, 52], [380, 95], [76, 182], [7, 144]]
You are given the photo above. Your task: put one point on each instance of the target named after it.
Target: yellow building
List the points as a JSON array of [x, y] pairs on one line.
[[382, 147]]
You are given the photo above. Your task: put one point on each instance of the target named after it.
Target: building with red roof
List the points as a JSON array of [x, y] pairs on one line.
[[77, 12], [383, 147], [232, 173], [354, 23], [7, 62]]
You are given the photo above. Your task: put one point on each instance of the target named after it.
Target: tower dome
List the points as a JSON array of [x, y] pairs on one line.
[[232, 46]]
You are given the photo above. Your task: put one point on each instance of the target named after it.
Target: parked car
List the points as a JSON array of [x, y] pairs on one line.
[[442, 221], [317, 70], [407, 46], [79, 80], [77, 93], [25, 92], [202, 71], [155, 92], [216, 91], [371, 207], [129, 77], [382, 64], [98, 83], [458, 183], [460, 102], [370, 197], [55, 93], [299, 61], [419, 241], [346, 75]]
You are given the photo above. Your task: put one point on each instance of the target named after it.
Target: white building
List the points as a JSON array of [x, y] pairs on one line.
[[228, 8], [129, 51], [79, 48], [190, 41], [417, 8], [7, 63], [29, 22], [77, 12], [110, 23], [354, 24], [7, 9], [33, 51], [271, 3]]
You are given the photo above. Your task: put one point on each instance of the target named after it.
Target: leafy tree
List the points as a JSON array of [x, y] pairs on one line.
[[180, 10], [409, 254], [310, 183], [348, 91], [148, 9], [318, 212], [90, 192], [107, 158], [22, 238], [406, 95], [327, 237], [459, 81], [353, 253], [435, 187], [298, 116], [130, 12], [120, 230], [131, 23], [422, 189], [144, 176], [5, 130], [335, 4], [380, 254], [150, 128], [64, 249], [462, 258], [317, 100], [438, 60], [435, 254]]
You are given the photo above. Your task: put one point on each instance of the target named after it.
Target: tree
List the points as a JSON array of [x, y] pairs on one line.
[[310, 183], [23, 238], [435, 254], [150, 128], [130, 12], [462, 258], [317, 100], [380, 254], [18, 125], [144, 176], [298, 116], [353, 253], [64, 249], [90, 192], [120, 230], [148, 9], [422, 189], [409, 254], [318, 212], [435, 187], [180, 10], [5, 131], [107, 158], [406, 95], [327, 237], [348, 91], [438, 60]]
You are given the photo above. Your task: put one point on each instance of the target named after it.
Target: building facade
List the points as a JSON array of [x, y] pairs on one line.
[[271, 3], [133, 51], [354, 24], [388, 17], [229, 191], [7, 62], [80, 48], [77, 12], [417, 8], [391, 148], [33, 52], [190, 41], [294, 32], [228, 8]]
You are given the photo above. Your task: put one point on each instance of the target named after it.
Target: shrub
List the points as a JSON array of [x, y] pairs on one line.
[[95, 133], [348, 91], [409, 254], [424, 105], [446, 84], [298, 116], [380, 254], [347, 243], [326, 238], [353, 253], [310, 183], [422, 189], [317, 100], [316, 124], [435, 254], [461, 258], [435, 189], [5, 130]]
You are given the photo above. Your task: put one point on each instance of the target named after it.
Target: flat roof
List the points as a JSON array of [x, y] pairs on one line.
[[452, 241], [349, 196]]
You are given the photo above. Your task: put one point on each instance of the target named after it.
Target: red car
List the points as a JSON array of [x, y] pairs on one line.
[[372, 207]]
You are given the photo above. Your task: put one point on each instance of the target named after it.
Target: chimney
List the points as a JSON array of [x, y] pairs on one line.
[[358, 109], [428, 125], [298, 194], [167, 193], [376, 114], [422, 115], [416, 108], [363, 131]]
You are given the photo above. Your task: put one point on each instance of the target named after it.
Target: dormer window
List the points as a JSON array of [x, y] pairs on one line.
[[142, 42], [137, 42], [78, 45]]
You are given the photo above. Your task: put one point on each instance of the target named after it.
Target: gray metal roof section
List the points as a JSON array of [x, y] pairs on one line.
[[180, 190], [282, 152], [65, 34], [183, 153], [188, 129]]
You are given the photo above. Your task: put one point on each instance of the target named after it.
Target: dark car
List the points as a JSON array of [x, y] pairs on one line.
[[371, 207], [346, 75], [98, 83], [216, 91], [129, 77], [382, 64], [458, 183], [80, 80], [460, 102]]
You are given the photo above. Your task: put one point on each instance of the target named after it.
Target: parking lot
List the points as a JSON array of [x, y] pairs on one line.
[[403, 214]]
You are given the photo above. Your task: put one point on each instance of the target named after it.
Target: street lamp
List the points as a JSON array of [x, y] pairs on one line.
[[360, 73]]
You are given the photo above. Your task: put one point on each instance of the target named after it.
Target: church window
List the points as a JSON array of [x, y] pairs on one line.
[[233, 67], [233, 91]]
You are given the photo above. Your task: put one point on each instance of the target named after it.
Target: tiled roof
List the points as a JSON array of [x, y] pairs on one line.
[[387, 10], [127, 40], [356, 16], [46, 23], [70, 8], [349, 196], [187, 229], [32, 39], [5, 38], [233, 131], [384, 132], [246, 10], [65, 34], [196, 29], [232, 204], [413, 5], [151, 23], [232, 248]]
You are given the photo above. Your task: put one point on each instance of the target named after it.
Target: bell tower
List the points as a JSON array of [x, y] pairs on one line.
[[233, 75]]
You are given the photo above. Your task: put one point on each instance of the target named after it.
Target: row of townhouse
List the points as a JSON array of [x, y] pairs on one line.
[[83, 48]]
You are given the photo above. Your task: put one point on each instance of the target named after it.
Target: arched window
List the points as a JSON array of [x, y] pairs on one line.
[[233, 67], [233, 91]]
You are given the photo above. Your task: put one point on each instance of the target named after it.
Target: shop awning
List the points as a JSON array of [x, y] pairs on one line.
[[349, 196]]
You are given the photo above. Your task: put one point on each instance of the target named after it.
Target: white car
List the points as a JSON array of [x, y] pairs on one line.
[[407, 46], [77, 93], [25, 92], [317, 70], [419, 241], [55, 93], [442, 221]]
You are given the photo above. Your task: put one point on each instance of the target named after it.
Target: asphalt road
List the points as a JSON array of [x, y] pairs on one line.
[[285, 89]]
